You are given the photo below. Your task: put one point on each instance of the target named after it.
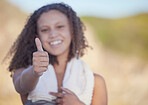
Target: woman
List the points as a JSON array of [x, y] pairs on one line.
[[46, 64]]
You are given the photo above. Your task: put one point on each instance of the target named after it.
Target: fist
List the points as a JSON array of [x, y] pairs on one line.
[[40, 59]]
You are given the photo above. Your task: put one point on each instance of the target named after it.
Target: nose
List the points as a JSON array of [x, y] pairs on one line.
[[52, 34]]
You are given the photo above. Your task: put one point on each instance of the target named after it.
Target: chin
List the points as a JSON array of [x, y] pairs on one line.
[[59, 53], [56, 53]]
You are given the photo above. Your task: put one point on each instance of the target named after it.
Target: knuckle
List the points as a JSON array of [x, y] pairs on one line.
[[46, 63], [44, 59], [47, 59], [46, 54], [34, 59], [60, 94], [34, 64], [34, 53], [44, 69], [35, 69], [59, 101], [42, 63]]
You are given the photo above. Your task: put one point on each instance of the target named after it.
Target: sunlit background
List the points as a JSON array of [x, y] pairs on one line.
[[116, 29]]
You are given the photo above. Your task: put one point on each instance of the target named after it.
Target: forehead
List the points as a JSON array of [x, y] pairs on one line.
[[52, 17]]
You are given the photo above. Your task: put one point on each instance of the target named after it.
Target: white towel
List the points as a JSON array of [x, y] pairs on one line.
[[78, 78]]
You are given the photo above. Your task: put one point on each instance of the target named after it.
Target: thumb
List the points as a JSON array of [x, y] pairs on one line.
[[38, 44]]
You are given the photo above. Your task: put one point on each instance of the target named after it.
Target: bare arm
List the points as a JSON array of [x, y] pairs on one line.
[[25, 80], [100, 91]]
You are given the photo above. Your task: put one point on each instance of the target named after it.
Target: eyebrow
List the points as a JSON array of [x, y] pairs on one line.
[[55, 24], [43, 26]]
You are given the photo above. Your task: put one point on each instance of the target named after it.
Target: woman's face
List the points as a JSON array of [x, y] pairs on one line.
[[54, 32]]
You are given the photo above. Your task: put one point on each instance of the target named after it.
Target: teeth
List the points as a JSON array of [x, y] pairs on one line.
[[55, 42]]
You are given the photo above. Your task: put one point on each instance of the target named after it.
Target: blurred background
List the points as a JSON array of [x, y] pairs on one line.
[[118, 32]]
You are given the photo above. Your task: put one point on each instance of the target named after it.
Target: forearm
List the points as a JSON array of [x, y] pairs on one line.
[[27, 81]]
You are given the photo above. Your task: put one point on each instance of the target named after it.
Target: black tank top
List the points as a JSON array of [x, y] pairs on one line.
[[41, 102]]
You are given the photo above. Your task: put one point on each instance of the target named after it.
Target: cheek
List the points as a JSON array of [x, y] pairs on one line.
[[69, 39], [43, 40], [43, 37], [69, 36]]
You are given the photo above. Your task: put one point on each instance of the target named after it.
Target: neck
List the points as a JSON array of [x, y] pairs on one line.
[[62, 63]]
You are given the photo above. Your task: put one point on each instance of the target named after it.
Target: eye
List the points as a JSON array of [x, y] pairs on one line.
[[44, 30], [60, 26]]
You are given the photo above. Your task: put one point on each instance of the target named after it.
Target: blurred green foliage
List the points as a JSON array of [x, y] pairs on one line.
[[125, 35]]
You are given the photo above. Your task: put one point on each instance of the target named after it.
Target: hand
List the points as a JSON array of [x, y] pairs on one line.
[[67, 98], [40, 59]]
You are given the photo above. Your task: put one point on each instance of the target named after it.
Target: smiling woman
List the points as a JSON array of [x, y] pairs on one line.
[[46, 64], [54, 32]]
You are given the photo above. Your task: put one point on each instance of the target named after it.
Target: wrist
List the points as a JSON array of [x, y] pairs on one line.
[[36, 74]]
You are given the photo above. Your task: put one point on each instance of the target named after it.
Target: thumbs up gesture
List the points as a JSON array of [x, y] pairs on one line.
[[40, 59]]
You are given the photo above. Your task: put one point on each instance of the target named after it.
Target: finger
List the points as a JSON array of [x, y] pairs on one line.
[[44, 59], [37, 73], [41, 53], [41, 64], [40, 59], [57, 94], [42, 69], [38, 44], [67, 90], [59, 101]]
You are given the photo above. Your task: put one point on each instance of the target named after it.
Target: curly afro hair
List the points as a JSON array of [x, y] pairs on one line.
[[23, 48]]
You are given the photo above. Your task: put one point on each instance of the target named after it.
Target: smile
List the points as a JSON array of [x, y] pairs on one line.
[[57, 42]]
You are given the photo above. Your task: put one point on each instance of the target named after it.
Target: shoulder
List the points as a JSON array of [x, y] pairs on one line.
[[99, 82], [17, 73], [100, 91], [98, 79]]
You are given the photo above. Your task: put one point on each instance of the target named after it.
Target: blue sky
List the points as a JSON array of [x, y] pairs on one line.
[[99, 8]]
